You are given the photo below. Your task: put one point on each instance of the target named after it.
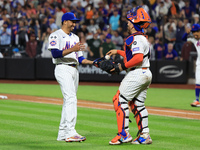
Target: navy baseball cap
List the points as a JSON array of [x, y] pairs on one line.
[[69, 16], [195, 27]]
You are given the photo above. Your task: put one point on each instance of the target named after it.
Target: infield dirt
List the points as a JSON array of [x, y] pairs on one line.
[[108, 106]]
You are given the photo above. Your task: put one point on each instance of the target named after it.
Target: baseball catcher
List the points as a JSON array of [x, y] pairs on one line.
[[133, 88]]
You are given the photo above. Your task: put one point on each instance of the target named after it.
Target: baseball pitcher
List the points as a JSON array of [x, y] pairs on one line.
[[67, 54]]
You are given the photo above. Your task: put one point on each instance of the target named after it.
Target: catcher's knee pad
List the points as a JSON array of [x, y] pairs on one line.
[[122, 112], [140, 115]]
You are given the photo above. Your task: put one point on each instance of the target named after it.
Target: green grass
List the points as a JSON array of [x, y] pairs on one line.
[[31, 89], [34, 126], [158, 97]]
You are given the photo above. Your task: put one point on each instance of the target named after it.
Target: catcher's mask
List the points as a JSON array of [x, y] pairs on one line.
[[139, 17]]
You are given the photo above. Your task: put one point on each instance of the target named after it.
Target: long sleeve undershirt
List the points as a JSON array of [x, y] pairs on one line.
[[136, 60]]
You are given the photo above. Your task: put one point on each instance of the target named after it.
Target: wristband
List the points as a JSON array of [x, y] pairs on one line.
[[123, 66]]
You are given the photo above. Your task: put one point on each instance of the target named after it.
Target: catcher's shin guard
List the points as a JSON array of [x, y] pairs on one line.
[[122, 112], [140, 115]]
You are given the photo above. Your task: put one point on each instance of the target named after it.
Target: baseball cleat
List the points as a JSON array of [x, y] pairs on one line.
[[142, 139], [119, 139], [195, 104], [76, 138]]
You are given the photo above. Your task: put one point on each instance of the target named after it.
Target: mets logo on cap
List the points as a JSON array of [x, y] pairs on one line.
[[195, 27]]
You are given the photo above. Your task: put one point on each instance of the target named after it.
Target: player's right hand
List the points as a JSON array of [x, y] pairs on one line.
[[112, 52]]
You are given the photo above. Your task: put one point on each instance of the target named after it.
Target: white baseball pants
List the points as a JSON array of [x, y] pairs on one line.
[[68, 78]]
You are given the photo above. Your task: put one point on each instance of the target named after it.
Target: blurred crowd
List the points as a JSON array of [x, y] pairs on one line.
[[25, 26]]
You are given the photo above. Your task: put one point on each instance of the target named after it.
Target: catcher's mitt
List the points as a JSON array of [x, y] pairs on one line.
[[98, 61], [106, 65]]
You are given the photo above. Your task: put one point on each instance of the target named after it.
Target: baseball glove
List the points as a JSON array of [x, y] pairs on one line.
[[106, 65], [98, 61]]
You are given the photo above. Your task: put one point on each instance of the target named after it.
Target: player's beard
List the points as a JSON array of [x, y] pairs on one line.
[[196, 35], [129, 30], [72, 28]]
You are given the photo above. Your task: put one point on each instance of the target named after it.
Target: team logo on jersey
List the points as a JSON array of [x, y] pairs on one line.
[[136, 49], [53, 43], [134, 43]]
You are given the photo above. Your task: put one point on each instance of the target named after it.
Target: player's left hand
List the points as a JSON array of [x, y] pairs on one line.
[[79, 47], [119, 69], [82, 47]]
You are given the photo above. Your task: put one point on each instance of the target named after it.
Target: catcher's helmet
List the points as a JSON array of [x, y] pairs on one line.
[[139, 16]]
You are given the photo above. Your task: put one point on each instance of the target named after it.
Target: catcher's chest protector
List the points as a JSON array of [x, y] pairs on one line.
[[129, 41]]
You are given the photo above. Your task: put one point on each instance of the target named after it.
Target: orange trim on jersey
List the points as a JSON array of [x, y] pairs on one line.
[[138, 33], [125, 59]]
